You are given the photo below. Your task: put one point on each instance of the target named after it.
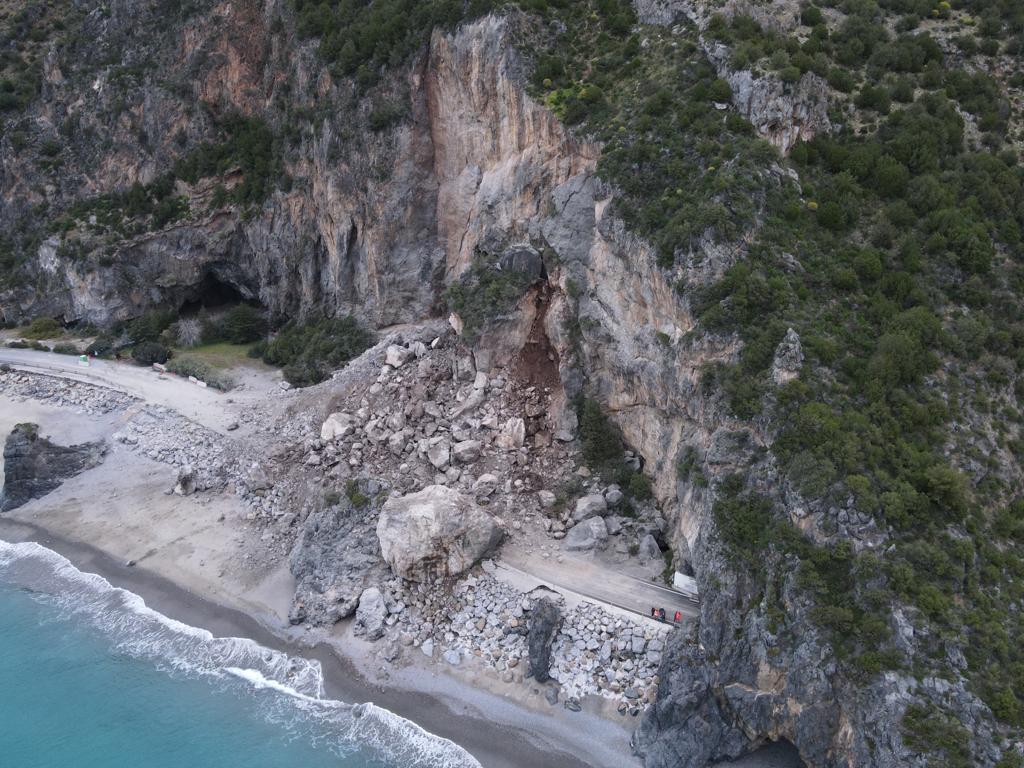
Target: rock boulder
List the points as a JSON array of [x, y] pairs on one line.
[[33, 466], [588, 506], [336, 557], [434, 533], [337, 425], [586, 535], [544, 624], [371, 613]]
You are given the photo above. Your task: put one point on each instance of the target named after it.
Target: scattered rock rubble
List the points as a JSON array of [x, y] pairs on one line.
[[412, 414], [479, 620], [82, 398], [165, 436]]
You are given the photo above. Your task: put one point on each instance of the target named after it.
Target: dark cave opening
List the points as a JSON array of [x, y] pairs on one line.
[[776, 754], [212, 293]]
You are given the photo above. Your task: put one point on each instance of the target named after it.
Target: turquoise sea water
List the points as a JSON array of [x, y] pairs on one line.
[[91, 677]]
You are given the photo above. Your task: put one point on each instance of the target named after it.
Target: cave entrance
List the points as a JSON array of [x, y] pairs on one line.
[[212, 293], [777, 754]]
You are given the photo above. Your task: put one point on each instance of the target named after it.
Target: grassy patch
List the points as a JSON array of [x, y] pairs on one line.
[[222, 356]]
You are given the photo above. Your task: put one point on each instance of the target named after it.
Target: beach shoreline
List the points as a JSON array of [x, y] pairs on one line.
[[493, 743], [198, 559]]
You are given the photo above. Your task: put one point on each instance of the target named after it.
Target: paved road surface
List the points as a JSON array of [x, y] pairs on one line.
[[205, 406], [597, 582]]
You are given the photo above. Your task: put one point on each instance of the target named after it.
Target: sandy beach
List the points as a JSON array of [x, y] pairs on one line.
[[199, 560], [189, 563]]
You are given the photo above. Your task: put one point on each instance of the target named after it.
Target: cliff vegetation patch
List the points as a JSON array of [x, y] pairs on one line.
[[308, 352]]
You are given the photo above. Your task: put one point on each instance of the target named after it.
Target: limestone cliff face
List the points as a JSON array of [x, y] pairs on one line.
[[497, 154], [376, 222], [373, 222]]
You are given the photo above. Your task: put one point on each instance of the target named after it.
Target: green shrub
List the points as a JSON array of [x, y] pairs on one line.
[[601, 441], [65, 348], [43, 328], [190, 366], [310, 352], [483, 293], [149, 326], [929, 730], [743, 518], [355, 494], [243, 324], [149, 352]]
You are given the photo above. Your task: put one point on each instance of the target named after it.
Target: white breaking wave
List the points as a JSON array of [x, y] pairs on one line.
[[294, 685]]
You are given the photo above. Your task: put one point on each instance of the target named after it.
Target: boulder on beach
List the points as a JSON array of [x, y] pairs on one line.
[[434, 533], [371, 613], [33, 466], [545, 621], [336, 557]]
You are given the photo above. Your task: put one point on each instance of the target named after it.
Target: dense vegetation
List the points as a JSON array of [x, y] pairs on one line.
[[247, 146], [604, 448], [25, 33], [485, 292], [310, 352], [360, 38], [907, 299]]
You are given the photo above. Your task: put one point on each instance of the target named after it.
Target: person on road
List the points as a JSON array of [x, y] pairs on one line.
[[661, 614], [679, 616]]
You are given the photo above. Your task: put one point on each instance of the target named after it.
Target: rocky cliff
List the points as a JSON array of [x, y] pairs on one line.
[[379, 204], [374, 220], [34, 466]]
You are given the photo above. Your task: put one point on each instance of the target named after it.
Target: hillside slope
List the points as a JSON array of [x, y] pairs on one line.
[[777, 247]]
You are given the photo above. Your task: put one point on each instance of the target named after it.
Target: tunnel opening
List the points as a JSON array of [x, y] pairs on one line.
[[212, 294]]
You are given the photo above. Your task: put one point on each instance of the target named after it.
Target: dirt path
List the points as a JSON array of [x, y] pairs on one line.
[[214, 410], [595, 581]]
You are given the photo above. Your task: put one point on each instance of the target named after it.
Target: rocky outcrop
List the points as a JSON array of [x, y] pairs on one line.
[[34, 466], [372, 221], [687, 726], [371, 614], [783, 113], [545, 620], [789, 356], [336, 556], [434, 533]]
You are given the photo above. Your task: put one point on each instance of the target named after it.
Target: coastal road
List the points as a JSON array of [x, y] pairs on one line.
[[202, 405], [590, 579]]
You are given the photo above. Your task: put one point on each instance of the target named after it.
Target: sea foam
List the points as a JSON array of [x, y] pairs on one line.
[[292, 688]]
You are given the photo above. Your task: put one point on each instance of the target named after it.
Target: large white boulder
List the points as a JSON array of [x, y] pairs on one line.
[[337, 425], [512, 435], [591, 505], [434, 533], [396, 356]]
